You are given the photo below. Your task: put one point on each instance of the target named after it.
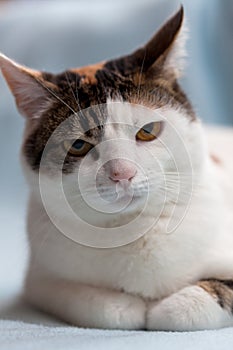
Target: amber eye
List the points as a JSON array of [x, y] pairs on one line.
[[77, 148], [149, 132]]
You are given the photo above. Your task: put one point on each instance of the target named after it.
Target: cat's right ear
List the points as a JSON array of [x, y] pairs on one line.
[[162, 55], [30, 90]]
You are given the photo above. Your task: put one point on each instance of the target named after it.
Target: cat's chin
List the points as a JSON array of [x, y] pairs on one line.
[[121, 212]]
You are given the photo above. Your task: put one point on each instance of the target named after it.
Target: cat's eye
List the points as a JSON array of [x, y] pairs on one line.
[[77, 148], [149, 132]]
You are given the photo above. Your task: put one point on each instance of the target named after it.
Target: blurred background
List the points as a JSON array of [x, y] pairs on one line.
[[55, 35]]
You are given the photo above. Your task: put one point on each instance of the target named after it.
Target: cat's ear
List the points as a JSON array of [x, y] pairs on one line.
[[164, 51], [30, 90]]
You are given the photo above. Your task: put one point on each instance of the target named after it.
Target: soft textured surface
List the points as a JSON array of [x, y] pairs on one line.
[[19, 335], [35, 331]]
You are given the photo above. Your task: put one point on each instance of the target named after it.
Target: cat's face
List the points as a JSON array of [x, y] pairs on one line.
[[117, 134]]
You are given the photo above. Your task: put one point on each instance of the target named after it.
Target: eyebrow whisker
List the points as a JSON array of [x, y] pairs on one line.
[[55, 95]]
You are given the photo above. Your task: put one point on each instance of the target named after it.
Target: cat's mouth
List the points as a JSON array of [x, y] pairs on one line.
[[122, 190]]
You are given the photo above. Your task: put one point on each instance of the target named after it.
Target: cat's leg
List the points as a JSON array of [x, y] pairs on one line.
[[207, 305], [87, 306]]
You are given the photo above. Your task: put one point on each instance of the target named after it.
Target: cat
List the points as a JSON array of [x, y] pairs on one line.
[[128, 132]]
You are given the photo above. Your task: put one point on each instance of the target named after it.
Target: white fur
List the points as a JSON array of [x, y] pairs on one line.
[[175, 59], [88, 306], [190, 309], [111, 288]]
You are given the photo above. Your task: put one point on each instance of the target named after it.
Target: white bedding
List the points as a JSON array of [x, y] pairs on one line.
[[26, 329], [20, 335]]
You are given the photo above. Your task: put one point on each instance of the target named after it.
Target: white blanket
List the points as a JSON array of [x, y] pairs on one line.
[[34, 331]]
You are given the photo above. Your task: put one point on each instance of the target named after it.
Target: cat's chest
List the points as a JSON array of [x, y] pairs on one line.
[[151, 267]]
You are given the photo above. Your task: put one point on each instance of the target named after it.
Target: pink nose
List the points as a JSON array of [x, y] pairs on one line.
[[120, 169]]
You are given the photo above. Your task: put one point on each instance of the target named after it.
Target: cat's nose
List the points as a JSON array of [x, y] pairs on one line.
[[120, 169]]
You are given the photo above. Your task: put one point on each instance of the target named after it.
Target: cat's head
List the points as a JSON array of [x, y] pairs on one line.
[[124, 127]]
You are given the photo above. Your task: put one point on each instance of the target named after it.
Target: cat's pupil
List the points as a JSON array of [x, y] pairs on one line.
[[78, 144], [148, 128]]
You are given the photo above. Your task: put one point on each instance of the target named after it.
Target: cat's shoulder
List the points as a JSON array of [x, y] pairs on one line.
[[220, 144]]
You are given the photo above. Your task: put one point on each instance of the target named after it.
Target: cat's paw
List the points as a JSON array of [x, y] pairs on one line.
[[113, 310], [192, 308], [87, 306]]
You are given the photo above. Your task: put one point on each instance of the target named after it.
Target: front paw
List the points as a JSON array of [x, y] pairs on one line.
[[190, 309]]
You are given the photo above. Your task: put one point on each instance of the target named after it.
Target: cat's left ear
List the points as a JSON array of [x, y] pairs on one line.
[[28, 86], [164, 52]]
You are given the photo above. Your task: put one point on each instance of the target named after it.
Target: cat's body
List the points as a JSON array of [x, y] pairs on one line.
[[178, 280], [151, 268]]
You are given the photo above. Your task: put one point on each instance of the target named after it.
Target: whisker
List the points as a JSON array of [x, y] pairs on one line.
[[56, 96], [36, 254], [69, 83], [140, 75], [77, 99]]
